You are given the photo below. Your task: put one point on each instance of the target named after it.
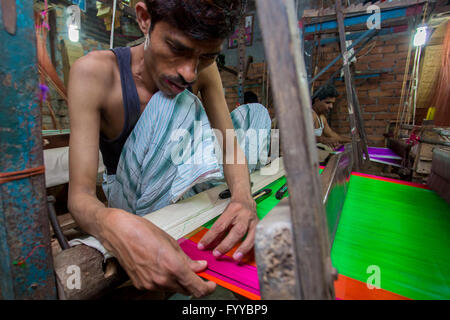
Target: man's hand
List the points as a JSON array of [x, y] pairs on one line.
[[331, 142], [152, 259], [238, 219]]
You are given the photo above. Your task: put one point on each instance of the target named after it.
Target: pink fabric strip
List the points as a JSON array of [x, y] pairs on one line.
[[406, 183], [225, 268]]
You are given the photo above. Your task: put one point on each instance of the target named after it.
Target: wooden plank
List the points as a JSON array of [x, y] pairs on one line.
[[279, 26], [348, 84], [426, 152], [26, 269], [361, 9], [424, 167], [95, 281], [241, 54], [360, 122], [66, 222], [56, 141], [9, 15]]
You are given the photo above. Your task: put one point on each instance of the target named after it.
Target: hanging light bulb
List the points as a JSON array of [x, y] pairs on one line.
[[420, 38], [73, 23]]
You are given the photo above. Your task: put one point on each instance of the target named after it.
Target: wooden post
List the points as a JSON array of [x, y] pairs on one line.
[[360, 122], [348, 83], [95, 277], [241, 54], [278, 22], [26, 266]]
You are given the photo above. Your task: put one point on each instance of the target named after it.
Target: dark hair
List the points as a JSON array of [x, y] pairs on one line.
[[328, 91], [199, 19], [250, 97]]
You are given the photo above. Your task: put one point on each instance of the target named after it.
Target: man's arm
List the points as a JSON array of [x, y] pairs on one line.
[[240, 216], [329, 133], [152, 259], [330, 142], [85, 95]]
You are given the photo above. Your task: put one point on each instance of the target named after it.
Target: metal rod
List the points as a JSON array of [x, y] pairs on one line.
[[113, 22], [348, 83], [339, 57], [366, 41], [360, 122], [55, 224]]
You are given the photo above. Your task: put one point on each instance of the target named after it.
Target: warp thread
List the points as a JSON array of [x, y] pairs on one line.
[[22, 262]]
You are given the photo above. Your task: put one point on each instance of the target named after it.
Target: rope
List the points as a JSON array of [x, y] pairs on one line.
[[17, 175]]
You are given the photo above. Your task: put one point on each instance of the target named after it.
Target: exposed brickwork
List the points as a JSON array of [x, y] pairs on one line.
[[253, 83], [379, 97]]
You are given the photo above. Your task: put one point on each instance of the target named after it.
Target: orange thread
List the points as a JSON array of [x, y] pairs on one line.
[[17, 175], [230, 286]]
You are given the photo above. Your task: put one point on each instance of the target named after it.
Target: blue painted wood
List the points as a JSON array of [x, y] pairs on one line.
[[358, 40], [26, 267], [351, 21], [362, 76], [356, 35]]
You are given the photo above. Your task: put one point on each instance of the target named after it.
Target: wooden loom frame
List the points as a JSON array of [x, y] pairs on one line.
[[313, 276]]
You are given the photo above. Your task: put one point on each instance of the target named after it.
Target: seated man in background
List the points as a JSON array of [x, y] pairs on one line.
[[326, 138], [322, 104], [250, 97]]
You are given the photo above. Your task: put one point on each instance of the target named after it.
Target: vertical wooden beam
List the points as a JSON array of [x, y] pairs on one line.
[[26, 266], [241, 54], [9, 15], [348, 83], [278, 22], [360, 122]]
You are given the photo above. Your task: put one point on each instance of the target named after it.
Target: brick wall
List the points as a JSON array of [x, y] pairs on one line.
[[256, 82], [379, 97]]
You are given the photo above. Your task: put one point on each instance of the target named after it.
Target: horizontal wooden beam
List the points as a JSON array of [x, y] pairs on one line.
[[361, 20], [360, 8]]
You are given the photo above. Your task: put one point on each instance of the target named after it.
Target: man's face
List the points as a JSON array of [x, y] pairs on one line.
[[324, 106], [175, 59]]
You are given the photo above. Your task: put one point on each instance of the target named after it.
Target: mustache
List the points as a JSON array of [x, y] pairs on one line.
[[180, 81]]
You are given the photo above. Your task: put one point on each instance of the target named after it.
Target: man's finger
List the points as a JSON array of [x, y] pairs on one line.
[[247, 244], [195, 285], [172, 287], [218, 230], [235, 235], [198, 265]]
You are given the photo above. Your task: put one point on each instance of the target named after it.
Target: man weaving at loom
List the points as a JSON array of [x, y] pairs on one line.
[[326, 138], [133, 104]]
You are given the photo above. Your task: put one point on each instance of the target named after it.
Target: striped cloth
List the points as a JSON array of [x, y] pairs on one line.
[[171, 153]]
